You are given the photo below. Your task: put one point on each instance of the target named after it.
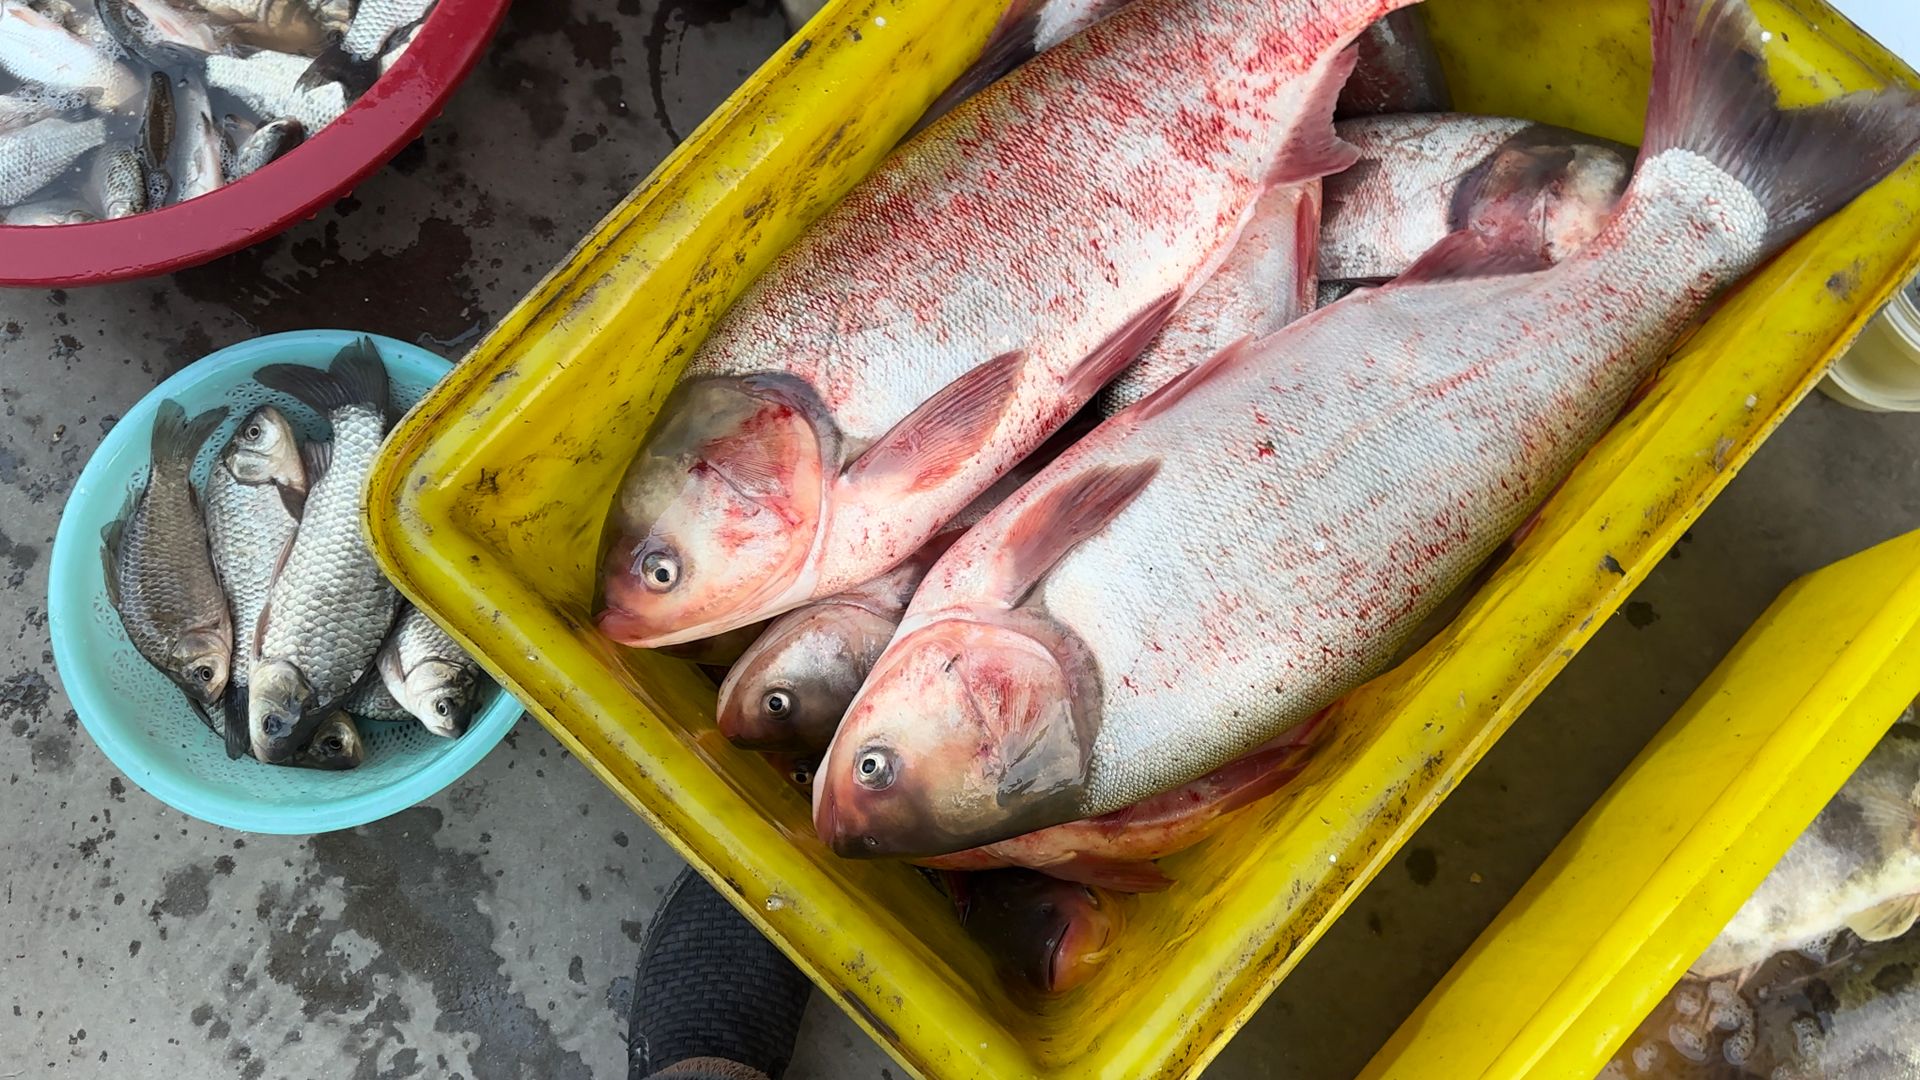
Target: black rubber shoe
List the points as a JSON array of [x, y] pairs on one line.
[[711, 987]]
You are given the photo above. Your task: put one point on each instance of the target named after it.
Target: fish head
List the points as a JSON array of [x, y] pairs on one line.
[[265, 450], [1582, 199], [967, 732], [277, 697], [336, 745], [1053, 934], [442, 695], [717, 515], [200, 663], [792, 687]]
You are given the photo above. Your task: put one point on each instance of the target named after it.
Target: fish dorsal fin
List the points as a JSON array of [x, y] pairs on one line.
[[1469, 253], [1053, 523], [937, 439], [176, 439], [1314, 149], [1187, 382], [1111, 357], [1118, 875], [316, 458], [1887, 920]]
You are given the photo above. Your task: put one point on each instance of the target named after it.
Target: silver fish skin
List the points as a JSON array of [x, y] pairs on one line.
[[196, 167], [397, 47], [916, 343], [159, 574], [1540, 190], [267, 83], [1856, 867], [32, 156], [191, 30], [330, 607], [36, 49], [1398, 70], [127, 25], [429, 675], [254, 499], [1027, 28], [119, 182], [50, 212], [371, 701], [266, 144], [374, 21], [1269, 280], [1217, 564]]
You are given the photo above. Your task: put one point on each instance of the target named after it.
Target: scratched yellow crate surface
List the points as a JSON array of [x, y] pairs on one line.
[[1653, 872], [487, 507]]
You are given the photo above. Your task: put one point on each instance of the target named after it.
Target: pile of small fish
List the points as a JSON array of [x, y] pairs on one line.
[[1323, 372], [1815, 976], [257, 595], [113, 107]]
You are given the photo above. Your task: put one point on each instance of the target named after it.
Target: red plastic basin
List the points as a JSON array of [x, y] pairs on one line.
[[322, 169]]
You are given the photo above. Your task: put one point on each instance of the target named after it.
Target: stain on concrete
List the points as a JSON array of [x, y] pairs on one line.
[[23, 700], [1422, 865], [183, 894], [1640, 614], [52, 752]]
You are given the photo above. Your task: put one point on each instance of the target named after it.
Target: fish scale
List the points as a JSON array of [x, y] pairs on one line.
[[1217, 564], [33, 155], [1021, 250], [249, 526], [330, 606]]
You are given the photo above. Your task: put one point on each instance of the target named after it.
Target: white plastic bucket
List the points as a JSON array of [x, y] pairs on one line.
[[1881, 373]]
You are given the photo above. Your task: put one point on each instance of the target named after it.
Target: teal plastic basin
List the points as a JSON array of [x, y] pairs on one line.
[[140, 720]]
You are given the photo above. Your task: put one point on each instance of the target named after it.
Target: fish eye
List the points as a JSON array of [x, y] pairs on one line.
[[441, 707], [254, 433], [660, 571], [874, 770], [801, 775], [276, 726], [333, 744], [779, 702], [204, 673]]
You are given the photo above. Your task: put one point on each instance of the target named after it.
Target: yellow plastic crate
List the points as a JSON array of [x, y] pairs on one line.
[[487, 505], [1648, 878]]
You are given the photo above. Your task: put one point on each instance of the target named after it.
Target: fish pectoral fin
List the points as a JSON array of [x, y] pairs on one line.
[[1121, 348], [937, 439], [1313, 148], [315, 459], [1188, 381], [1471, 253], [1887, 920], [293, 501], [1049, 526], [1118, 875]]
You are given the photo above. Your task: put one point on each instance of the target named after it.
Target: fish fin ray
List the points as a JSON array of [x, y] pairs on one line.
[[1886, 920], [1470, 253], [1050, 526], [315, 459], [1186, 382], [1313, 148], [1105, 363], [937, 439], [239, 739], [176, 439], [293, 501], [356, 377]]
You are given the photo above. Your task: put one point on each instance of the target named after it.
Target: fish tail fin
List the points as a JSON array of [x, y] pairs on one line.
[[356, 377], [1712, 96], [336, 65], [177, 439]]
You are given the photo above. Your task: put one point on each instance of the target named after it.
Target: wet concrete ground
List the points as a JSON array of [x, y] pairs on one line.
[[491, 932]]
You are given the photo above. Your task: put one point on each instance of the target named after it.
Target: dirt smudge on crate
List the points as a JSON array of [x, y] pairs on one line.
[[1640, 614], [1422, 865]]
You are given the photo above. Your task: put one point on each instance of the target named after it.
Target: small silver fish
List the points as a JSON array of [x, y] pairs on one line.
[[17, 110], [159, 573], [119, 182], [429, 675], [330, 606], [32, 156], [129, 28], [190, 30], [336, 745], [36, 49], [254, 499], [195, 164], [50, 212], [375, 21], [1857, 866], [266, 144], [267, 82]]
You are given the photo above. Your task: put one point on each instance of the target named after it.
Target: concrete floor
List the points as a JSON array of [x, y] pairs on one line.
[[490, 933]]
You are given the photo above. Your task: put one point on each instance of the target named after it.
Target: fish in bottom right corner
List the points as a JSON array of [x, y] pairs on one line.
[[421, 674]]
